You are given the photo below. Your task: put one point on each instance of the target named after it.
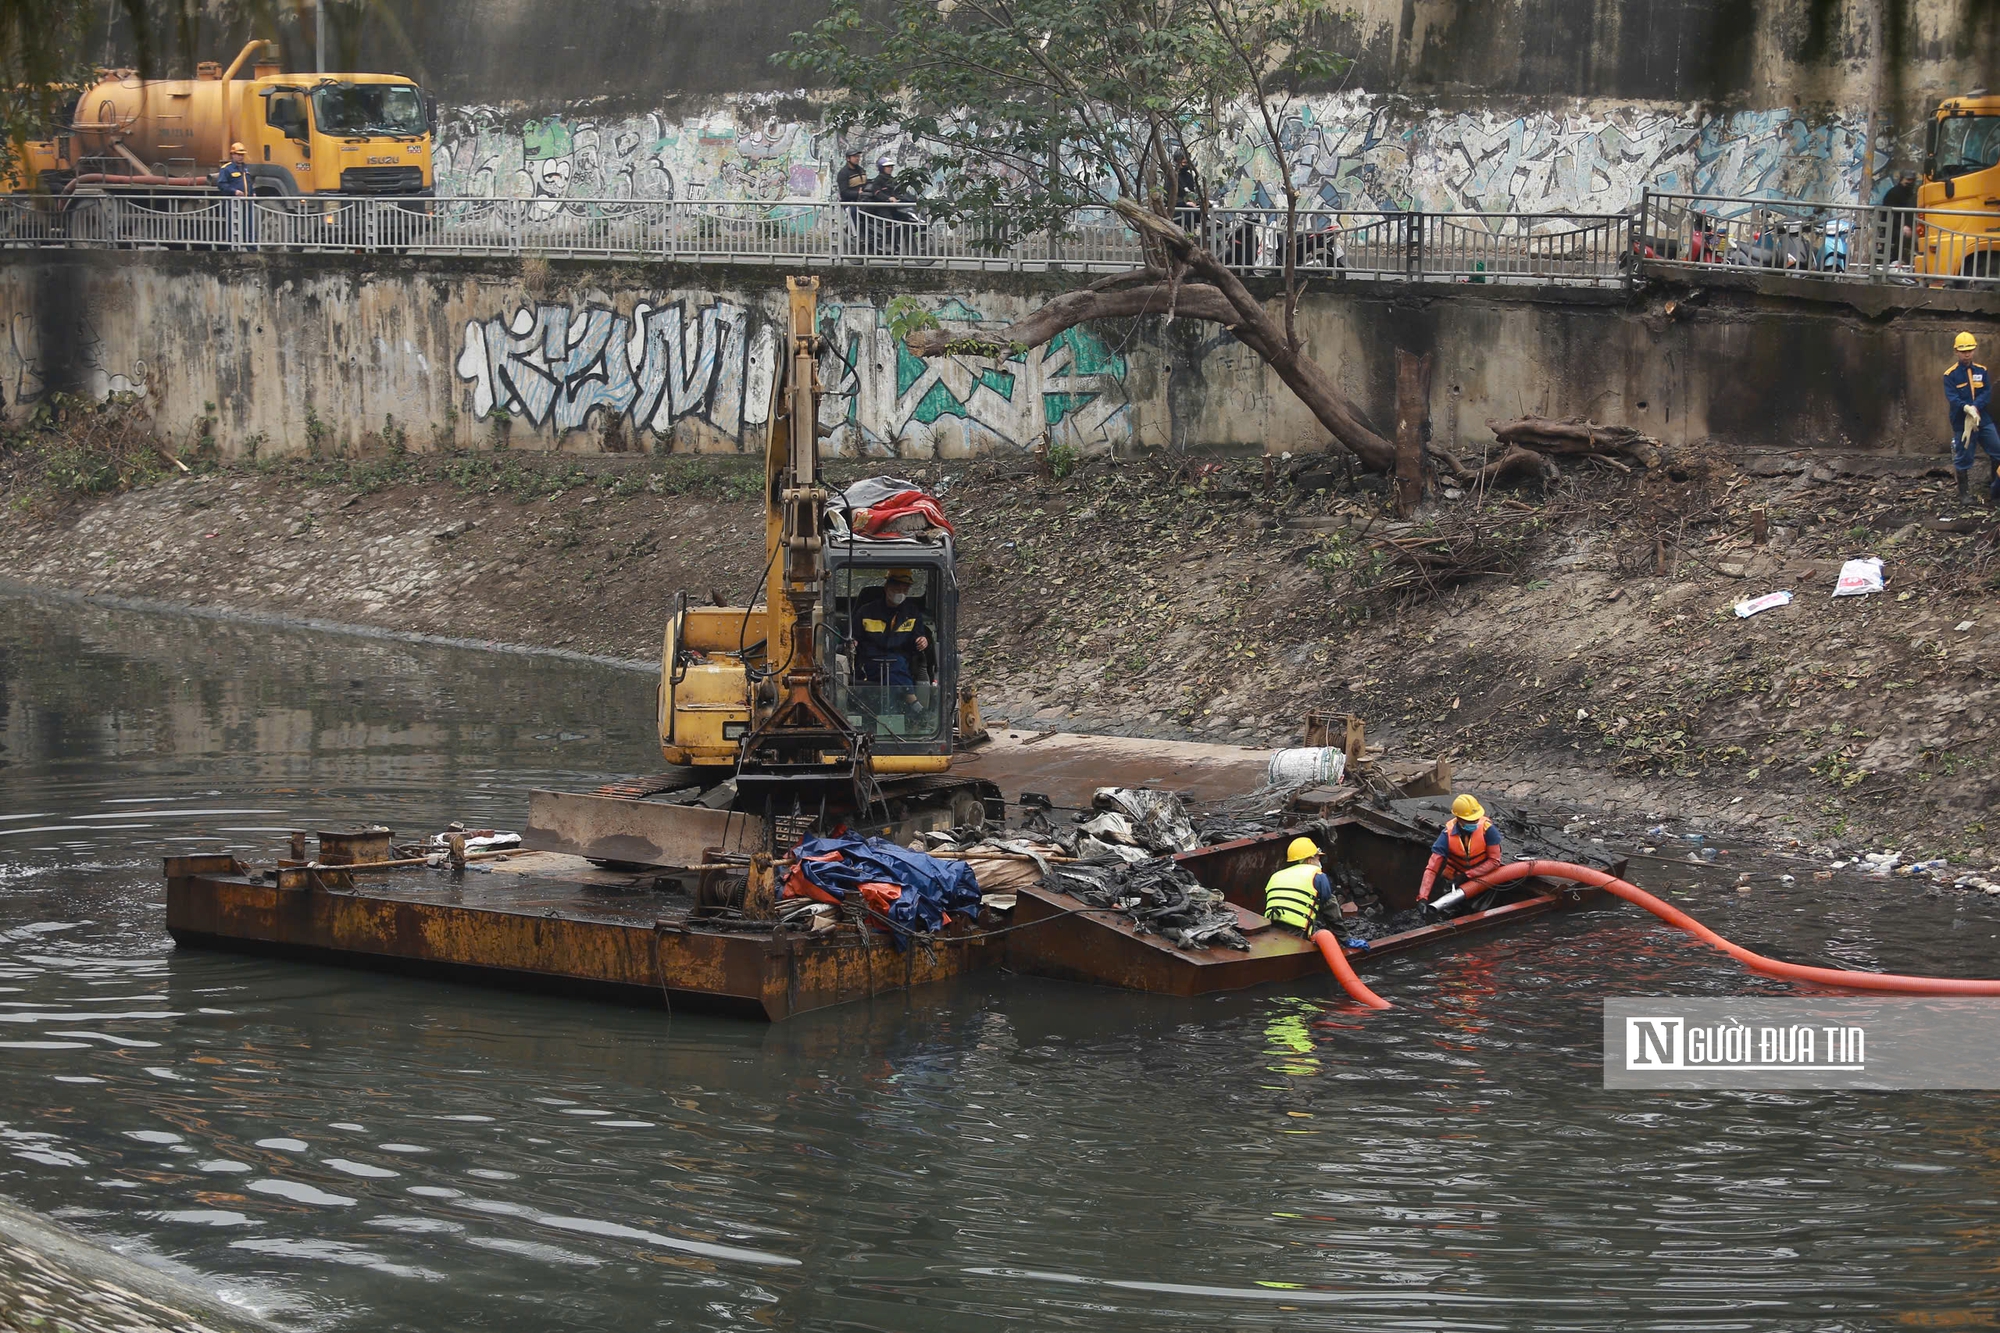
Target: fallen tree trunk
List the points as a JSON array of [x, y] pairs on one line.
[[1577, 437], [1181, 279]]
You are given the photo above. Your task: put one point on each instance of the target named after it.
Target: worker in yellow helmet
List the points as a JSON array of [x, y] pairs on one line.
[[1300, 897], [1467, 847], [1968, 390], [234, 183]]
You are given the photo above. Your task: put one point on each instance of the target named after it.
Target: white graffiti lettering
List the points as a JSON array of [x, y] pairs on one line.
[[703, 374]]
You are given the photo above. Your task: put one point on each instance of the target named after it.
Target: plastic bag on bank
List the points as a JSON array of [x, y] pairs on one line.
[[1860, 577]]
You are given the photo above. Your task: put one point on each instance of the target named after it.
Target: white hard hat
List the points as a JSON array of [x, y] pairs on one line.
[[885, 161]]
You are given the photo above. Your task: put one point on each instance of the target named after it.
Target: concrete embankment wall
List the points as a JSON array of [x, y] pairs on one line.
[[284, 354]]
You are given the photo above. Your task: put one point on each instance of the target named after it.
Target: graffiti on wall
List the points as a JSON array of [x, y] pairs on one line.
[[1355, 151], [720, 156], [26, 379], [700, 372]]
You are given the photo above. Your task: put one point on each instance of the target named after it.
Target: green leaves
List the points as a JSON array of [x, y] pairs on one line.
[[1028, 113]]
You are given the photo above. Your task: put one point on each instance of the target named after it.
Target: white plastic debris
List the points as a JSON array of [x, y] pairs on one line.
[[1747, 609], [1313, 765], [1962, 626], [1860, 577]]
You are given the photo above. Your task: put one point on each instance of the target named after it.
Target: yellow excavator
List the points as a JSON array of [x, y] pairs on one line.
[[771, 725]]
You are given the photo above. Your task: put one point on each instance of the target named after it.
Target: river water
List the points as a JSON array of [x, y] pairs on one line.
[[344, 1150]]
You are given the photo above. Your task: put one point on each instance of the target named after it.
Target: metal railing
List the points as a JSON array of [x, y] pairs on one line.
[[1855, 243], [1388, 246]]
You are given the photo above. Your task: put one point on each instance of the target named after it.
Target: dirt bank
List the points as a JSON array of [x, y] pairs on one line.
[[1601, 666]]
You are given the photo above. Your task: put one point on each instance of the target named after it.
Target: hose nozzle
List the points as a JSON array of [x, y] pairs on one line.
[[1449, 901]]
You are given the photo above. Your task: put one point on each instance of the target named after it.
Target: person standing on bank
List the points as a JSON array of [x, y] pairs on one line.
[[1901, 225], [232, 182], [852, 180], [1968, 395], [1187, 194]]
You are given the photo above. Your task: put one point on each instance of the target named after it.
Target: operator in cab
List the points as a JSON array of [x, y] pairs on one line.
[[889, 635], [1968, 394], [1467, 847], [1300, 897]]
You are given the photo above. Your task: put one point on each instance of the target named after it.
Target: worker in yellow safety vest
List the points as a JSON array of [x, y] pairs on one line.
[[1299, 897]]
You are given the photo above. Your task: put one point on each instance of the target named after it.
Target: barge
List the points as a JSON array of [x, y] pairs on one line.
[[549, 919]]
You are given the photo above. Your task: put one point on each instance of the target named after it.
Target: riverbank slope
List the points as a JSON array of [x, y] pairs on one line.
[[1599, 665]]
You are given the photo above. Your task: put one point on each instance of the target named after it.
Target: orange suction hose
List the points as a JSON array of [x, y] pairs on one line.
[[1770, 967], [1329, 949]]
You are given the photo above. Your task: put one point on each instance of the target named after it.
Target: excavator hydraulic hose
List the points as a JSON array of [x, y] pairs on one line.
[[1886, 982], [1329, 949]]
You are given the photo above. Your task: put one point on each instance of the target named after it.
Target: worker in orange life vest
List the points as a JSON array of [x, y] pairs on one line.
[[1466, 848]]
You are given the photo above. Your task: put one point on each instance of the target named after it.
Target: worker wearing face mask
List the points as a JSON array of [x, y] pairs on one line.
[[1467, 848], [889, 633]]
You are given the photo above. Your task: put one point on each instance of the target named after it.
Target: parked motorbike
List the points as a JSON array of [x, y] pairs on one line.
[[1779, 242], [1833, 249]]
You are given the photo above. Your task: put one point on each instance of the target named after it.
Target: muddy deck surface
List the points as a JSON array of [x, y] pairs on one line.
[[1067, 767]]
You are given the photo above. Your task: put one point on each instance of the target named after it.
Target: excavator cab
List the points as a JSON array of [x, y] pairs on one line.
[[917, 720]]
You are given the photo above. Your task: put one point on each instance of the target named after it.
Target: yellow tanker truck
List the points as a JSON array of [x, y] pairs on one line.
[[1958, 199], [303, 134]]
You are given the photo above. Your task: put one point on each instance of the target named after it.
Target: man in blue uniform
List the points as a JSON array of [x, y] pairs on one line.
[[889, 634], [233, 183], [1968, 390]]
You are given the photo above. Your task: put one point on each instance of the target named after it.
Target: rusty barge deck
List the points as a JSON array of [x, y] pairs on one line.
[[553, 921]]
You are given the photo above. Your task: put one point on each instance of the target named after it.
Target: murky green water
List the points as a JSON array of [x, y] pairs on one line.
[[347, 1150]]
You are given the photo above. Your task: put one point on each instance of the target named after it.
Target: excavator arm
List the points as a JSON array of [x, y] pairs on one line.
[[801, 758]]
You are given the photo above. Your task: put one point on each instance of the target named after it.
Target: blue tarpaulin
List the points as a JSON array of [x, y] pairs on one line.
[[930, 887]]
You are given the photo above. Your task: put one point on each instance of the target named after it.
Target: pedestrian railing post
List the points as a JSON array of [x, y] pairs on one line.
[[1413, 246]]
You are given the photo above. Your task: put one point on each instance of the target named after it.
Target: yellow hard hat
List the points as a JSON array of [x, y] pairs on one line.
[[899, 576], [1467, 806], [1965, 342], [238, 148], [1301, 849]]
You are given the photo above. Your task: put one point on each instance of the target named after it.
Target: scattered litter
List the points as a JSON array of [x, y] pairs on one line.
[[1159, 896], [476, 840], [1860, 577], [1962, 626], [1154, 820], [1747, 609]]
